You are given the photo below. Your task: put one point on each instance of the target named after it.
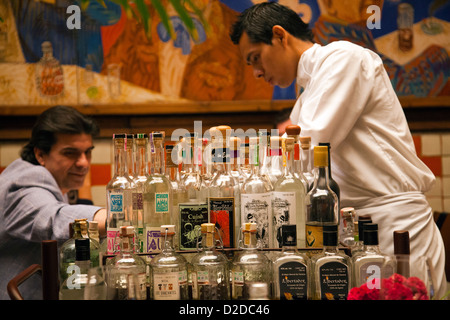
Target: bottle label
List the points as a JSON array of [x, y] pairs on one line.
[[116, 203], [284, 212], [161, 203], [238, 278], [334, 281], [202, 277], [258, 208], [152, 240], [293, 281], [138, 204], [222, 215], [165, 286], [314, 236], [191, 218], [137, 287], [111, 235]]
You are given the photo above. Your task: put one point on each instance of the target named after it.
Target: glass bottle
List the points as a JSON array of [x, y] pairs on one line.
[[49, 73], [358, 246], [194, 208], [264, 159], [224, 194], [73, 287], [127, 271], [67, 252], [168, 270], [157, 199], [402, 252], [371, 265], [291, 269], [236, 161], [288, 200], [321, 201], [306, 159], [140, 178], [333, 184], [256, 198], [95, 237], [332, 269], [210, 269], [119, 192], [276, 159], [347, 227], [249, 264], [131, 156], [293, 131]]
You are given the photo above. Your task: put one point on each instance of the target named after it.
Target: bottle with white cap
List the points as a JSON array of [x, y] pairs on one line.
[[168, 270]]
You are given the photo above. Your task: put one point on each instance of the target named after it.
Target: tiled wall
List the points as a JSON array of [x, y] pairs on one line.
[[433, 149]]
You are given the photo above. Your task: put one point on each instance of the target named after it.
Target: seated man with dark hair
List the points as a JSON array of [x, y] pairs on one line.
[[33, 192]]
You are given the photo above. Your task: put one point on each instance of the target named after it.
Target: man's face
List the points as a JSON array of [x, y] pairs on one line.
[[68, 160], [272, 62]]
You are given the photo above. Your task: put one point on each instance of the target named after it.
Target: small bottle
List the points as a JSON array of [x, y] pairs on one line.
[[306, 159], [158, 193], [224, 194], [347, 228], [256, 198], [127, 269], [249, 265], [331, 268], [119, 192], [193, 209], [73, 287], [293, 131], [291, 269], [288, 199], [321, 201], [333, 184], [402, 252], [168, 270], [49, 73], [210, 269], [371, 265]]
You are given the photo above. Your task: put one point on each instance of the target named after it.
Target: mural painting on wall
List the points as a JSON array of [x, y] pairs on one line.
[[111, 60]]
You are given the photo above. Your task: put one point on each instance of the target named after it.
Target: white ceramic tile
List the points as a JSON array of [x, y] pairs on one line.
[[446, 144], [446, 165], [9, 152], [446, 186], [99, 195], [435, 203], [436, 191], [102, 152], [431, 144]]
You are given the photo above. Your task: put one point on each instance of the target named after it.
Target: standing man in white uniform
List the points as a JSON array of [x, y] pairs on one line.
[[348, 100]]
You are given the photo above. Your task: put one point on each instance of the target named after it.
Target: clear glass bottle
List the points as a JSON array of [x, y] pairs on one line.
[[347, 227], [168, 270], [210, 269], [291, 269], [321, 201], [249, 265], [73, 287], [276, 159], [333, 184], [140, 178], [371, 265], [157, 199], [293, 131], [306, 159], [236, 161], [256, 198], [119, 192], [332, 269], [194, 208], [288, 199], [49, 73], [131, 156], [224, 194], [264, 158]]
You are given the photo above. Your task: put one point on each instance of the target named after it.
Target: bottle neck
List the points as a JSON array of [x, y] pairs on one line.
[[141, 160], [126, 245], [208, 241], [221, 160], [253, 153], [249, 241], [167, 242], [158, 163], [322, 180], [289, 167], [119, 159]]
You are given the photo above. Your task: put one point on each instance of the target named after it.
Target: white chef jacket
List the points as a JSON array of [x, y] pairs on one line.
[[348, 100]]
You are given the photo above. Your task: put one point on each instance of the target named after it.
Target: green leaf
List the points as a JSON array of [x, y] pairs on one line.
[[199, 13], [165, 19], [185, 17], [145, 16]]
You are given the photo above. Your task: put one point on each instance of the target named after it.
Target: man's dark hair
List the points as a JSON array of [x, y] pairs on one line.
[[58, 119], [258, 21]]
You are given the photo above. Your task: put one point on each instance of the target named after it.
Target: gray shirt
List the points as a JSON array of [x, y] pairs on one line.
[[32, 209]]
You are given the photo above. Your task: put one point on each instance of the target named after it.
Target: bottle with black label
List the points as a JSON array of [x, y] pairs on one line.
[[333, 184], [331, 268], [291, 268]]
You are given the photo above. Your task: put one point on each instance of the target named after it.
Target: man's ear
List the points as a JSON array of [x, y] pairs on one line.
[[39, 154], [279, 34]]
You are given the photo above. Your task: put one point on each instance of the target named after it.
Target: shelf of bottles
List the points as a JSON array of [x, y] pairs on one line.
[[225, 216]]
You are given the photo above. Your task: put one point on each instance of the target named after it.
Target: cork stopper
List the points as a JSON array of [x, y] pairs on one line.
[[93, 225], [249, 227], [401, 242], [289, 144], [292, 130], [305, 142], [127, 231], [208, 227], [167, 228], [321, 156], [348, 212]]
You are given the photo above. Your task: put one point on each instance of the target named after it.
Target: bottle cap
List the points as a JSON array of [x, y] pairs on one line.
[[82, 249], [401, 242], [320, 156], [289, 144], [370, 234], [141, 136], [330, 235], [362, 220], [289, 234], [208, 227], [292, 130], [348, 212], [127, 231], [168, 228], [305, 141], [93, 225]]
